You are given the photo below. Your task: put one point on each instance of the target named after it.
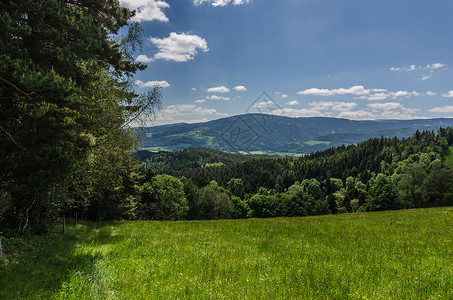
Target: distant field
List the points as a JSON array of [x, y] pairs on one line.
[[449, 158], [313, 143], [389, 255]]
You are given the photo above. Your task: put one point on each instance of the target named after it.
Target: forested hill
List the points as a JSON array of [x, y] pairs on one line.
[[271, 134], [175, 163], [390, 157]]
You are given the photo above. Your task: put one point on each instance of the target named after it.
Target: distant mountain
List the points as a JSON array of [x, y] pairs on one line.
[[261, 133]]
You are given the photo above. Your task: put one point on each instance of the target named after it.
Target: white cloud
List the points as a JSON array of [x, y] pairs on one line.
[[425, 77], [284, 96], [152, 84], [177, 47], [408, 69], [435, 66], [278, 93], [221, 2], [335, 106], [448, 95], [200, 101], [357, 115], [215, 97], [354, 90], [414, 67], [393, 95], [430, 93], [189, 109], [378, 96], [265, 104], [219, 89], [298, 113], [293, 102], [240, 88], [385, 106], [193, 89], [144, 59], [443, 109], [146, 10]]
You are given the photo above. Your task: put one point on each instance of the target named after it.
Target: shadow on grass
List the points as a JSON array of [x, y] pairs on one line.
[[46, 262]]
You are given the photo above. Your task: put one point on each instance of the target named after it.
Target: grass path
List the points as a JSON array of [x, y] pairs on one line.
[[389, 255]]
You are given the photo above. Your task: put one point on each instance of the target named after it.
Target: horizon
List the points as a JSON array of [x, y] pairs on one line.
[[350, 59]]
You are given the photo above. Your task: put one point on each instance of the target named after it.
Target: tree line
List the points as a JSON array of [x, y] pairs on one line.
[[378, 174]]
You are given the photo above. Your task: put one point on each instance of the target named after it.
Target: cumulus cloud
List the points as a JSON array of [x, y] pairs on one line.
[[393, 110], [393, 95], [292, 102], [284, 96], [357, 115], [152, 84], [264, 104], [435, 66], [215, 97], [425, 77], [354, 90], [219, 89], [430, 93], [299, 113], [443, 109], [335, 106], [240, 88], [193, 89], [177, 47], [144, 59], [200, 101], [146, 10], [448, 95], [188, 113], [221, 2]]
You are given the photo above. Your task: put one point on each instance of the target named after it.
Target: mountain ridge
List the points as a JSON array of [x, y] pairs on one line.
[[252, 133]]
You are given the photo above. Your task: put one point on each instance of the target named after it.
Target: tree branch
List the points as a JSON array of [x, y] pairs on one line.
[[9, 136], [28, 95]]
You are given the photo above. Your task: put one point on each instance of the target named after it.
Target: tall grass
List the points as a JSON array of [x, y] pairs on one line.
[[388, 255]]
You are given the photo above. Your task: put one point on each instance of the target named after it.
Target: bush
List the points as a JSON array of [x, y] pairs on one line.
[[163, 198], [213, 204]]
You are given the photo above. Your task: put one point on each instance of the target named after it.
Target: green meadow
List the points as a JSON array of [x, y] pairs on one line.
[[387, 255]]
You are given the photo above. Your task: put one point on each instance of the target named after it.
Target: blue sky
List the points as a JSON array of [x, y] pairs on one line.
[[355, 59]]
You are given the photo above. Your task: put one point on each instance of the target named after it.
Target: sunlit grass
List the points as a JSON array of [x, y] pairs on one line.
[[389, 255]]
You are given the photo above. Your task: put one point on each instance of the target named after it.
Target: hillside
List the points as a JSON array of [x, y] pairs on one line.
[[259, 133], [175, 163], [386, 255]]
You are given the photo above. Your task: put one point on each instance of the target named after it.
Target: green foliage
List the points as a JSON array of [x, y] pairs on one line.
[[264, 206], [214, 204], [241, 209], [163, 198], [382, 194], [65, 100], [176, 163]]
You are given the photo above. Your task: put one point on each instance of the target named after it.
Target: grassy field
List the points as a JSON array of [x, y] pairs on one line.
[[389, 255]]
